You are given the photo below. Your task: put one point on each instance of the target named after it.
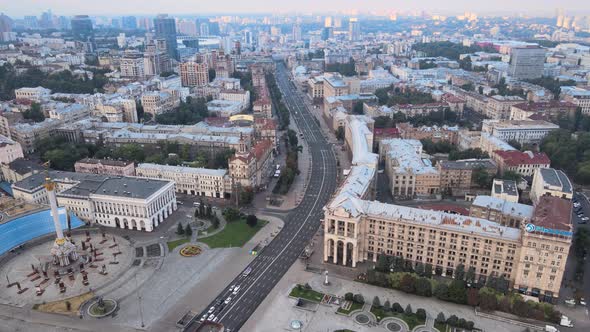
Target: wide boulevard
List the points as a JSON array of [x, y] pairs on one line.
[[301, 223]]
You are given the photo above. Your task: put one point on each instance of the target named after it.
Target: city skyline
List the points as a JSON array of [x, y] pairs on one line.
[[347, 7]]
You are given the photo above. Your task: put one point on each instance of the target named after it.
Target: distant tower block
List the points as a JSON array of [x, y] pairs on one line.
[[63, 251]]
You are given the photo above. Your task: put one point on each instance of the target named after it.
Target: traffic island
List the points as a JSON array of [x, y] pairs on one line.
[[102, 308]]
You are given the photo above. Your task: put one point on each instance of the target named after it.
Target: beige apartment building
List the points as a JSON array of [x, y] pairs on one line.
[[409, 174], [105, 166], [531, 255], [194, 73]]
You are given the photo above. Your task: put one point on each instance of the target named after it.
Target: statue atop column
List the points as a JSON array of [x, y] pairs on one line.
[[63, 251]]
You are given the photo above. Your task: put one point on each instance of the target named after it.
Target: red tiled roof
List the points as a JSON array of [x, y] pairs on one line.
[[261, 147], [543, 106], [553, 212], [393, 132], [451, 98], [515, 158]]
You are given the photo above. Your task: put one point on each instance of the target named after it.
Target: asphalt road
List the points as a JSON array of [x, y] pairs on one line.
[[301, 223]]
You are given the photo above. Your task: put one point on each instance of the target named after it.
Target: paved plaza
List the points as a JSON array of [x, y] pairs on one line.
[[113, 252], [278, 310]]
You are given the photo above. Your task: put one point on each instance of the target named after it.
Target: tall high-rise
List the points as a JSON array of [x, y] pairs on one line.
[[82, 31], [129, 22], [527, 62], [296, 32], [354, 29], [194, 73], [166, 29], [5, 28]]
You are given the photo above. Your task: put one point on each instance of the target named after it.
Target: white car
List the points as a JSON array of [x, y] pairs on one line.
[[215, 319], [236, 290], [203, 318], [228, 300], [211, 310], [211, 317], [231, 288]]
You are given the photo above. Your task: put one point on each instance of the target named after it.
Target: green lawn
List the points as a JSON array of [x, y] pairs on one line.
[[411, 320], [440, 326], [235, 234], [308, 294], [176, 243], [353, 307]]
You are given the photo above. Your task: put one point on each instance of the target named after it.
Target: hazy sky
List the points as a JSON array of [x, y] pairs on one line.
[[19, 8]]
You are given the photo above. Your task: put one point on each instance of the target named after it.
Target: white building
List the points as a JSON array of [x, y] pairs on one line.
[[240, 96], [68, 112], [132, 65], [189, 180], [33, 94], [528, 131], [158, 102], [121, 202], [224, 108], [9, 150], [578, 96], [550, 182]]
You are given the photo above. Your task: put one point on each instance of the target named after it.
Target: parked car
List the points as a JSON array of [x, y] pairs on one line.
[[211, 310], [228, 300]]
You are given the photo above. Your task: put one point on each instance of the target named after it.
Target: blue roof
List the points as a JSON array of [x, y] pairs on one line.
[[20, 230], [6, 187]]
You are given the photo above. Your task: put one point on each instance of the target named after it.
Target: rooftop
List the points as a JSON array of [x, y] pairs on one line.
[[109, 162], [554, 213], [507, 208], [86, 184], [24, 166], [515, 158], [556, 179], [506, 187], [467, 164], [454, 222], [182, 169], [407, 155]]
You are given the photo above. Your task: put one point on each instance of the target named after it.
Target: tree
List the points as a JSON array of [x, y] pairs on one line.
[[473, 297], [358, 298], [376, 302], [358, 108], [340, 133], [387, 305], [408, 310], [480, 90], [515, 144], [349, 296], [421, 313], [188, 231], [215, 222], [452, 320], [396, 307], [487, 299], [481, 177], [382, 263], [251, 220], [428, 270], [460, 272], [457, 292], [419, 269], [231, 214], [408, 283], [423, 287], [212, 74], [441, 291], [382, 95], [179, 229], [470, 275], [440, 318], [34, 113]]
